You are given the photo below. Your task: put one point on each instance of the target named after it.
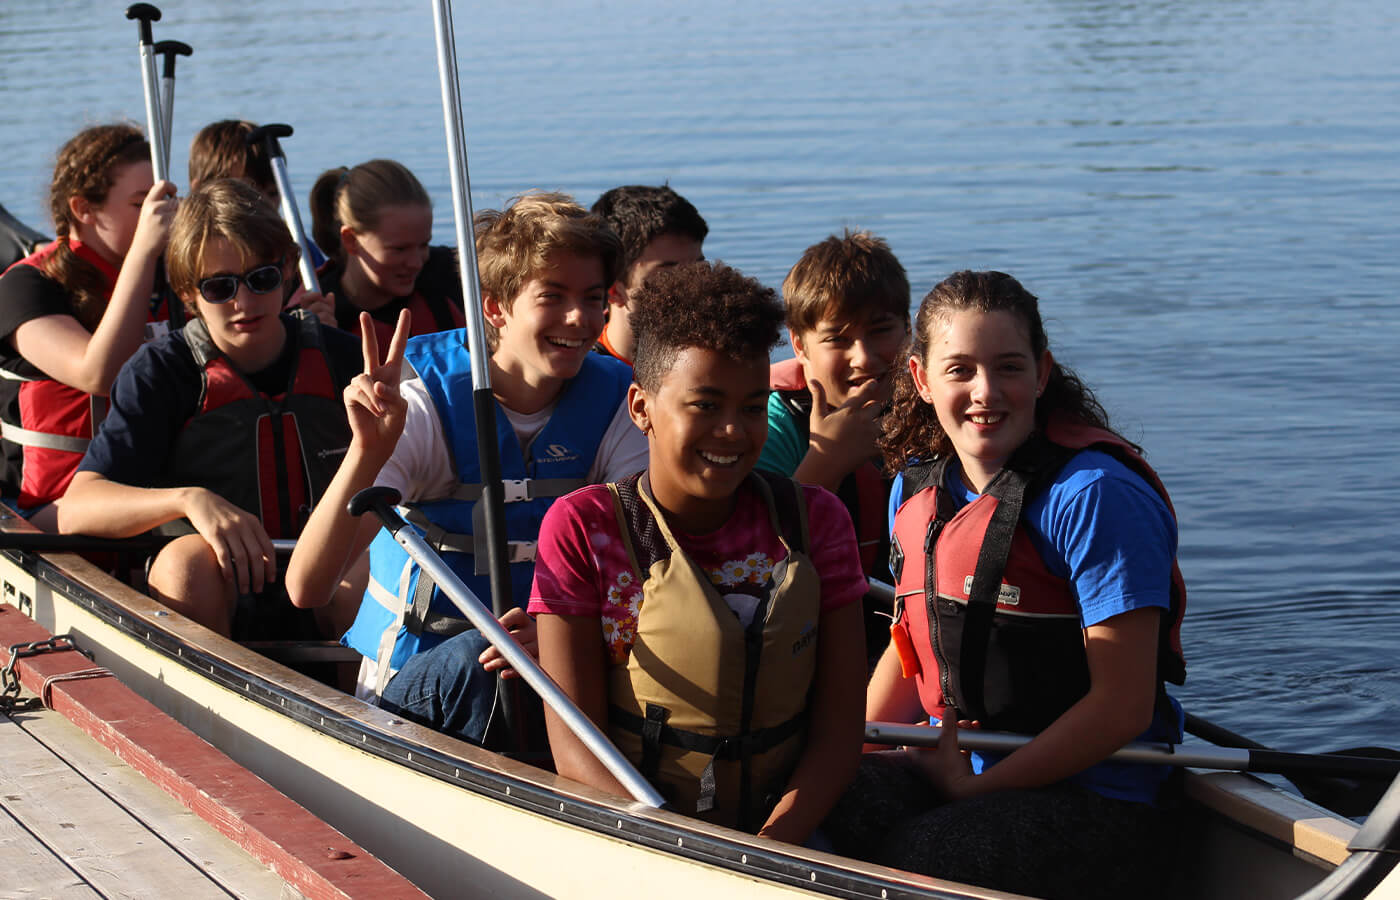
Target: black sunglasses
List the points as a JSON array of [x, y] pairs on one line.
[[223, 288]]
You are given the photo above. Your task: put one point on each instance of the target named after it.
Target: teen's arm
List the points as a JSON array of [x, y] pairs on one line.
[[1122, 653], [89, 361], [832, 753], [890, 696], [841, 437], [572, 652], [101, 507], [332, 539]]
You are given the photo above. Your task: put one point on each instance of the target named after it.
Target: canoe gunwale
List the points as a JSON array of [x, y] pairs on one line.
[[457, 763]]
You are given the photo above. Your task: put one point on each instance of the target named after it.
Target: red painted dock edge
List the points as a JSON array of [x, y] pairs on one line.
[[304, 851]]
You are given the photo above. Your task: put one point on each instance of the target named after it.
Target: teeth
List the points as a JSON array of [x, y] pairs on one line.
[[986, 420], [719, 460], [565, 342]]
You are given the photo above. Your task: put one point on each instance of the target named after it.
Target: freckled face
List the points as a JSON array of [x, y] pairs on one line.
[[982, 379], [843, 356]]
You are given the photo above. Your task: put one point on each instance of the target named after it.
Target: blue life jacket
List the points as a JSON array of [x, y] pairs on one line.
[[403, 612]]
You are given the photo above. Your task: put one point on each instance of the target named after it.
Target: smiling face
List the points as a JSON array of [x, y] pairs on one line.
[[549, 329], [705, 426], [109, 227], [247, 328], [843, 356], [982, 379], [386, 261]]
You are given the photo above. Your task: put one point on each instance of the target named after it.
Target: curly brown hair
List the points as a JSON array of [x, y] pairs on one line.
[[911, 430], [706, 305], [87, 167]]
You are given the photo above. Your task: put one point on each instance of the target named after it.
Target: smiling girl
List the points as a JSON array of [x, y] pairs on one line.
[[73, 312], [706, 615], [1038, 592], [375, 221]]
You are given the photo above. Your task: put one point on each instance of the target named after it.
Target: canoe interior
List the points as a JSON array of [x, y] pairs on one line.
[[447, 814]]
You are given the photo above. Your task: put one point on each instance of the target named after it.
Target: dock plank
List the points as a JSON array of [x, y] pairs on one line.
[[30, 869], [89, 834]]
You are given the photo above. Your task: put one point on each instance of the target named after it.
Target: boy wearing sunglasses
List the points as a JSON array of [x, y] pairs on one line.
[[231, 427]]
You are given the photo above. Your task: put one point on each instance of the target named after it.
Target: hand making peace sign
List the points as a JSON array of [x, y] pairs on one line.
[[372, 399]]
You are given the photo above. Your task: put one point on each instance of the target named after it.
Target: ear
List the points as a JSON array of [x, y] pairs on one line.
[[493, 310], [1043, 370], [81, 209], [617, 295], [797, 349], [349, 240], [637, 408], [920, 376]]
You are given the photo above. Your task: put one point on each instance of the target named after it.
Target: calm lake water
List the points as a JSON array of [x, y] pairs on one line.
[[1203, 194]]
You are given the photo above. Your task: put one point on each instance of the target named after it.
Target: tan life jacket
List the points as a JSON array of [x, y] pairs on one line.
[[712, 713]]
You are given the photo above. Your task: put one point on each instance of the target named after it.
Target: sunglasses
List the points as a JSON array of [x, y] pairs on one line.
[[223, 288]]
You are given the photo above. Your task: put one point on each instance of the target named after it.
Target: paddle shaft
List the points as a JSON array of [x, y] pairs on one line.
[[269, 136], [43, 542], [145, 14], [1228, 758], [486, 622], [483, 401]]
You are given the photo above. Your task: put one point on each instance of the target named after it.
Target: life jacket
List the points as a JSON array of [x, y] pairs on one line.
[[436, 301], [403, 612], [273, 456], [865, 492], [712, 713], [55, 421], [981, 623]]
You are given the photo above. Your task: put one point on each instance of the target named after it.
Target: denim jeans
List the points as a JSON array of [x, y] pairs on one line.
[[445, 688]]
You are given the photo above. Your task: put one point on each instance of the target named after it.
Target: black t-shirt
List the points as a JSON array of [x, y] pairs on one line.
[[439, 284]]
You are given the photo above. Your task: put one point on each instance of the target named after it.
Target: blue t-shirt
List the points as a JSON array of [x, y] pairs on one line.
[[1103, 529]]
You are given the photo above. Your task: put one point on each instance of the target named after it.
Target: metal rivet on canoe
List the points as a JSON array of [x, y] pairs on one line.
[[744, 860], [247, 686], [561, 807], [161, 613], [814, 876], [507, 790], [680, 842], [323, 720], [884, 894], [619, 823], [456, 773]]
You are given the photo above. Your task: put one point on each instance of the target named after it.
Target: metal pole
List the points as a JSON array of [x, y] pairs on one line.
[[269, 135], [381, 501], [169, 50], [145, 14], [483, 402]]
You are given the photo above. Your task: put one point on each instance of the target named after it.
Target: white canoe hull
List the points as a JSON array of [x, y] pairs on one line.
[[457, 819]]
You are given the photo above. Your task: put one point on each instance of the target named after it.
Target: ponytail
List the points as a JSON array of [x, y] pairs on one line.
[[355, 197]]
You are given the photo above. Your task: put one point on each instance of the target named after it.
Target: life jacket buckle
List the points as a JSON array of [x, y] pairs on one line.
[[516, 490]]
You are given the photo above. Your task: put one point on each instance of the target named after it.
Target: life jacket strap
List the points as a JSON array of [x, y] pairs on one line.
[[42, 439]]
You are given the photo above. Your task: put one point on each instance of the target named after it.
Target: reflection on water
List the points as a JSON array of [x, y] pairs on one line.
[[1202, 193]]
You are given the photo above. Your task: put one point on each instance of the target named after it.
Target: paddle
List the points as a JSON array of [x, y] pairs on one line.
[[268, 135], [381, 501], [169, 50], [145, 14], [43, 542], [483, 401], [1345, 792], [1380, 771]]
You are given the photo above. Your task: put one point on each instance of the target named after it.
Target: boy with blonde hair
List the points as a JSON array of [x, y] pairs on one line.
[[562, 422]]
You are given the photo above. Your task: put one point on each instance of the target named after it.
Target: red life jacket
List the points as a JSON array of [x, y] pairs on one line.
[[865, 492], [273, 456], [56, 421], [986, 626]]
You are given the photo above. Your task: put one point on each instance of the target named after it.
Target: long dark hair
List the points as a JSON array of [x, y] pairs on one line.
[[87, 167], [911, 428]]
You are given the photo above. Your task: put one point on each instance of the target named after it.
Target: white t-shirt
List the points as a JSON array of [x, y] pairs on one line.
[[421, 467]]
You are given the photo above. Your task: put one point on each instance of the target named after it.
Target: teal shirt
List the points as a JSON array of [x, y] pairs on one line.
[[786, 444]]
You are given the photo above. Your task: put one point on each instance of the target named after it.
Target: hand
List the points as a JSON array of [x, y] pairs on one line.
[[521, 626], [373, 403], [322, 306], [157, 215], [846, 434], [947, 767], [238, 539]]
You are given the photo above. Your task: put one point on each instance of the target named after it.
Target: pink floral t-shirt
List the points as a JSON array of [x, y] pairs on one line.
[[582, 567]]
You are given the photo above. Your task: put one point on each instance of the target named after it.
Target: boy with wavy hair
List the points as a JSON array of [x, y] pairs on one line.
[[658, 229], [561, 416]]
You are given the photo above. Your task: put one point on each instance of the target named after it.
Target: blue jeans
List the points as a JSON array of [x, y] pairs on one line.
[[445, 688]]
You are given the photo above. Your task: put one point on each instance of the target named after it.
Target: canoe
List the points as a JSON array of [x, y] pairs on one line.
[[453, 817]]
